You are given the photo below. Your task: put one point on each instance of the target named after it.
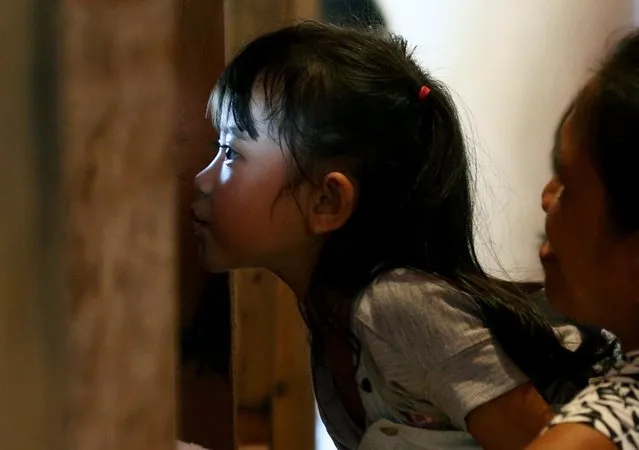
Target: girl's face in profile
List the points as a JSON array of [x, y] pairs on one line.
[[246, 214]]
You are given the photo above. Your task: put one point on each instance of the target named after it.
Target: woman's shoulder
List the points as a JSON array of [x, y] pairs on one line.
[[609, 404]]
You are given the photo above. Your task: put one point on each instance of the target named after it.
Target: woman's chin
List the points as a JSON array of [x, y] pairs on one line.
[[554, 288]]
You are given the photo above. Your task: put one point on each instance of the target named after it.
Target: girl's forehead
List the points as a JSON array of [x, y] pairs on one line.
[[226, 114]]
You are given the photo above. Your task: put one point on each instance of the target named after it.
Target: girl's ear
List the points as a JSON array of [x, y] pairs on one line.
[[332, 203]]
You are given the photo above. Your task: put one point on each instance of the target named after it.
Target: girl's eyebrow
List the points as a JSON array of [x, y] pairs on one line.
[[234, 131]]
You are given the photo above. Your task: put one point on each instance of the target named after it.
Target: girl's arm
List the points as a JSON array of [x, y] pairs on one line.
[[510, 421]]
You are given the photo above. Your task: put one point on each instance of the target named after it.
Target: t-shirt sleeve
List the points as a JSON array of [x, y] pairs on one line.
[[610, 406], [440, 330]]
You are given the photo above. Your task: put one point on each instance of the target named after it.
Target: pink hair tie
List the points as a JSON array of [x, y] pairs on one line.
[[423, 92]]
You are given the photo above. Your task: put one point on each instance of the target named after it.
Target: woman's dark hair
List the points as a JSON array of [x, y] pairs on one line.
[[352, 96], [607, 123]]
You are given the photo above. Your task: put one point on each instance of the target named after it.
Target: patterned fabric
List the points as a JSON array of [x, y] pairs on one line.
[[609, 404]]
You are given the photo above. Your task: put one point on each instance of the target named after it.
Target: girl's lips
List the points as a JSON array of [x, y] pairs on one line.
[[197, 221]]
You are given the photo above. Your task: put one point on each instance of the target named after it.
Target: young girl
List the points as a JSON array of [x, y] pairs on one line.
[[591, 259], [342, 168]]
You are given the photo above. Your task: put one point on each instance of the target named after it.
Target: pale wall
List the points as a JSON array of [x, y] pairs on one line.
[[513, 65]]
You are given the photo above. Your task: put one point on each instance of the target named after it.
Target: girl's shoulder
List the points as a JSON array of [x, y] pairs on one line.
[[409, 295], [413, 312], [425, 341]]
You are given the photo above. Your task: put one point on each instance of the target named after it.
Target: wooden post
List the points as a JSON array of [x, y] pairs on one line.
[[119, 187], [31, 305], [272, 384]]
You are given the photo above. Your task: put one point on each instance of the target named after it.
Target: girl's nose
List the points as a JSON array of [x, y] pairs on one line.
[[204, 181]]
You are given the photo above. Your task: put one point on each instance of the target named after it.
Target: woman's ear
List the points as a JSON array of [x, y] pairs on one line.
[[332, 204]]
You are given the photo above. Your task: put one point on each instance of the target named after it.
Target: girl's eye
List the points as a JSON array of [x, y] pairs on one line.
[[229, 153]]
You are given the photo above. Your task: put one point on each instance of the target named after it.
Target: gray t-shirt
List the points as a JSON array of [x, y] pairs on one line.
[[426, 358]]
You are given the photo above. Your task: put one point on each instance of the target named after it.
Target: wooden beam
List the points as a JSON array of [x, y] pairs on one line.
[[247, 19], [119, 185]]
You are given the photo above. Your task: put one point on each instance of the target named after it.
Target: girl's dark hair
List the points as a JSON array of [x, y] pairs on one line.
[[607, 121], [347, 95]]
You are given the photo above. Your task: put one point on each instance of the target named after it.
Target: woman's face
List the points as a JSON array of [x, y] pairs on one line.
[[588, 266]]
